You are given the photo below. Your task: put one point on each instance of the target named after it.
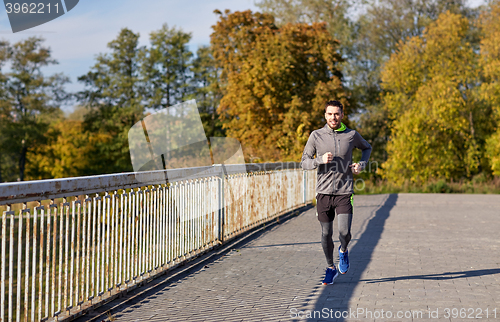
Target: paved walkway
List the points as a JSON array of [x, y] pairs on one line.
[[414, 257]]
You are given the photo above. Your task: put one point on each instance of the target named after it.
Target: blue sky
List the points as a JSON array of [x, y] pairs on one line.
[[78, 36]]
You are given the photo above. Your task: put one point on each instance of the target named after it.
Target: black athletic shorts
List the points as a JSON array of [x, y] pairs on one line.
[[327, 204]]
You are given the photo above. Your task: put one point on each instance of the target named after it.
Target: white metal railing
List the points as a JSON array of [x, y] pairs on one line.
[[68, 244]]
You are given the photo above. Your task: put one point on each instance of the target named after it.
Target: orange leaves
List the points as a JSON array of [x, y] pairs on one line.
[[275, 80]]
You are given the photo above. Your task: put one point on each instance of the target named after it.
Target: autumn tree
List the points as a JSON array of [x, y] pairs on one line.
[[438, 123], [378, 31], [369, 32], [30, 100], [490, 89], [275, 81], [114, 95], [68, 151]]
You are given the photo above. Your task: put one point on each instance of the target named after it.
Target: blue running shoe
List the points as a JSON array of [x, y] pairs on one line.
[[343, 261], [330, 276]]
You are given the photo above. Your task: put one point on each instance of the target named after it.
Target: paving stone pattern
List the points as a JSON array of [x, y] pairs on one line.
[[425, 257]]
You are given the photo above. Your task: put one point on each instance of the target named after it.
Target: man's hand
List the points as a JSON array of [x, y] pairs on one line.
[[327, 157], [355, 168]]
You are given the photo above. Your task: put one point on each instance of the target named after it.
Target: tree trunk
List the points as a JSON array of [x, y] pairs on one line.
[[473, 134]]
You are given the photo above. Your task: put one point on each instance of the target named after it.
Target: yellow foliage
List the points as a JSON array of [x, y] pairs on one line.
[[434, 109], [68, 152], [490, 89], [493, 151]]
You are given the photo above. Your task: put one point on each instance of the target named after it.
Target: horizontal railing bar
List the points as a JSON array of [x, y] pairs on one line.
[[17, 192]]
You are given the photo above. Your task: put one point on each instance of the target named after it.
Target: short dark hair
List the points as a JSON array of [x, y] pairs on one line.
[[334, 103]]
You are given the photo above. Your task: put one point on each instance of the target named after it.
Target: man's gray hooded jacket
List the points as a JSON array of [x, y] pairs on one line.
[[335, 177]]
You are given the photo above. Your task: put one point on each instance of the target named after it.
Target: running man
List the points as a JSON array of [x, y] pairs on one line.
[[332, 145]]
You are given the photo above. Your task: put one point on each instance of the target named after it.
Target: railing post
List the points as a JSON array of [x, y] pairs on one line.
[[221, 203], [3, 265], [304, 185]]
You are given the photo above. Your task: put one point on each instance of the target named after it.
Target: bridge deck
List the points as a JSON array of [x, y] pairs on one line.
[[410, 253]]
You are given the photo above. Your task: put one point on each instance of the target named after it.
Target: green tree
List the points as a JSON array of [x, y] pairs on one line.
[[207, 91], [6, 162], [275, 81], [114, 94], [438, 123], [165, 68], [30, 100]]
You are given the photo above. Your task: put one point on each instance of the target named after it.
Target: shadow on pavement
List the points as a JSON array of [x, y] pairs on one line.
[[136, 298], [440, 276], [291, 244], [276, 245], [360, 256]]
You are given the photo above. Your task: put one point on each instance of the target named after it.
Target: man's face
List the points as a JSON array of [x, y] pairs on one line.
[[334, 116]]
